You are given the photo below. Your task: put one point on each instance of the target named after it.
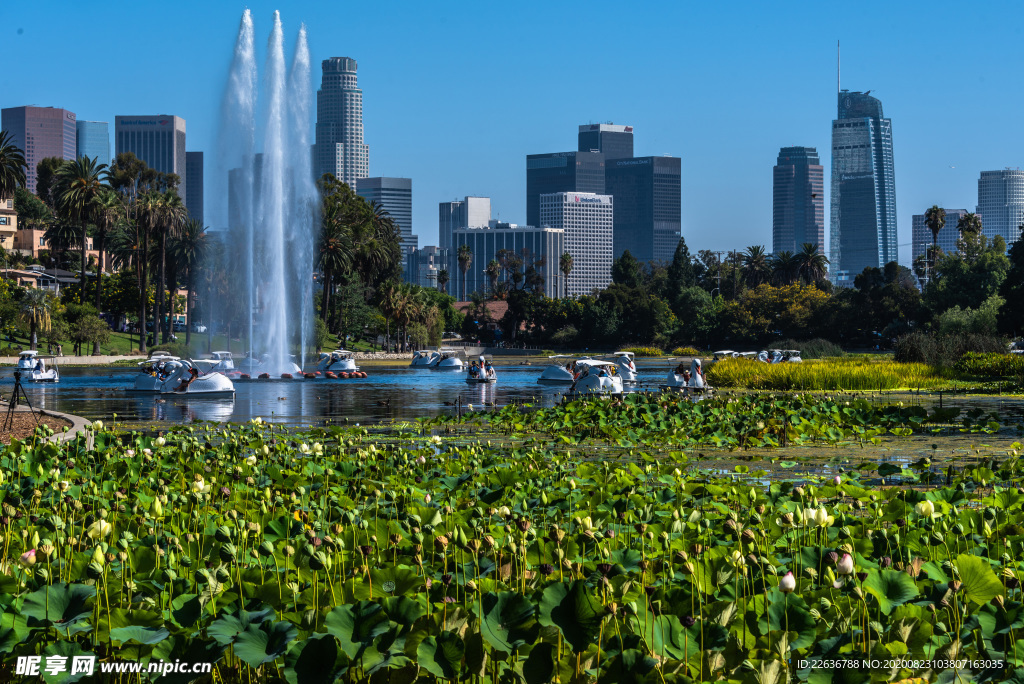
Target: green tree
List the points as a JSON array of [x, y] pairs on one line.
[[464, 255], [171, 217], [785, 268], [565, 266], [969, 224], [108, 211], [934, 219], [970, 276], [757, 267], [36, 307], [12, 166], [811, 264], [47, 178], [493, 273], [1011, 316], [60, 237], [442, 280], [681, 272], [626, 270], [32, 211], [80, 184], [189, 250]]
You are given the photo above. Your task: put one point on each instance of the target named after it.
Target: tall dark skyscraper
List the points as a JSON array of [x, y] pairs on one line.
[[561, 172], [648, 206], [395, 196], [339, 148], [93, 140], [615, 142], [863, 212], [194, 171], [798, 207], [157, 140], [40, 132]]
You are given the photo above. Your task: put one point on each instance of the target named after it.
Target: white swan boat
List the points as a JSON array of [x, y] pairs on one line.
[[421, 358], [596, 377], [679, 382], [447, 359], [625, 365], [166, 374], [255, 366], [561, 369], [221, 362], [33, 367], [337, 361], [482, 373]]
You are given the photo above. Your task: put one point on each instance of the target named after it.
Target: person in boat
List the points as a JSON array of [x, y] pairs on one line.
[[680, 369], [474, 370], [39, 365], [488, 370], [192, 375], [686, 376]]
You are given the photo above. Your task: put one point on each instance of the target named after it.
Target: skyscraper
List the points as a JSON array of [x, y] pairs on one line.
[[648, 206], [863, 211], [922, 235], [40, 132], [339, 148], [395, 196], [1001, 203], [472, 212], [798, 202], [158, 140], [561, 172], [93, 140], [616, 142], [586, 218], [194, 171]]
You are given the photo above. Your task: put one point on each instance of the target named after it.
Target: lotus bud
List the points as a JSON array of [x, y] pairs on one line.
[[159, 441], [787, 584], [845, 565]]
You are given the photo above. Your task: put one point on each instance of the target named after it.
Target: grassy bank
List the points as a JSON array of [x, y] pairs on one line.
[[847, 373]]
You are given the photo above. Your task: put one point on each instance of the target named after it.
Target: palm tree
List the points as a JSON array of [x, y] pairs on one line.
[[148, 206], [35, 310], [172, 216], [493, 272], [12, 166], [565, 266], [969, 223], [108, 212], [188, 253], [784, 268], [334, 253], [79, 185], [60, 237], [465, 258], [811, 264], [757, 268], [442, 280]]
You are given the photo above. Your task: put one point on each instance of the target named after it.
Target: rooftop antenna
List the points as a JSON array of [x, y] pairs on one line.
[[839, 67]]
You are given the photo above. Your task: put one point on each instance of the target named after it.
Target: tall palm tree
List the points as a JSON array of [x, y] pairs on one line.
[[188, 253], [465, 259], [334, 253], [565, 266], [12, 166], [172, 216], [811, 264], [757, 268], [442, 280], [60, 236], [969, 223], [784, 268], [79, 186], [493, 272], [35, 310], [108, 212], [148, 206]]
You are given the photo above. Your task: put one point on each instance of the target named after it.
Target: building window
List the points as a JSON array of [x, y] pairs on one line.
[[4, 221], [42, 242]]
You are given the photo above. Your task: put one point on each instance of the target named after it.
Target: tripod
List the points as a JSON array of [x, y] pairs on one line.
[[19, 392]]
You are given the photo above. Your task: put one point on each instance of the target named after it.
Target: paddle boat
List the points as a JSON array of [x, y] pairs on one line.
[[625, 365], [421, 358], [337, 361], [253, 366], [221, 362], [447, 359], [482, 372], [595, 377], [562, 369], [166, 374], [33, 367]]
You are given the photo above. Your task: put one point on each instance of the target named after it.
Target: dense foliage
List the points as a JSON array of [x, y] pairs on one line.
[[404, 557]]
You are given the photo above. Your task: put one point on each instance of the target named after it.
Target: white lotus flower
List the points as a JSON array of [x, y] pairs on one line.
[[256, 421], [159, 441], [925, 509], [435, 440], [787, 585], [97, 425], [99, 529], [822, 518], [251, 460], [199, 485], [304, 448]]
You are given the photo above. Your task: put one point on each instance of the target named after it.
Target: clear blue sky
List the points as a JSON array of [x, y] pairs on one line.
[[457, 94]]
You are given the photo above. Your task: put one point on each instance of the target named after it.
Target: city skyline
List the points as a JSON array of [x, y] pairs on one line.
[[440, 143]]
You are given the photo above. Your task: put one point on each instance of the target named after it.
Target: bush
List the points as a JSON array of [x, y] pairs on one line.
[[944, 350], [565, 336], [991, 365], [686, 351], [644, 351], [179, 349], [812, 349], [850, 373]]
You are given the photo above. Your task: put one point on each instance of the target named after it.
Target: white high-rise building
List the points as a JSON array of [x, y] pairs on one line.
[[587, 220], [339, 148], [1001, 203], [472, 212]]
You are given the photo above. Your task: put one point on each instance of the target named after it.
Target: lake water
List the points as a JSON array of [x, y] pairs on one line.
[[387, 394]]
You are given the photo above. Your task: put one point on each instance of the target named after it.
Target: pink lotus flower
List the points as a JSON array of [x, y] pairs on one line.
[[787, 585], [28, 559], [845, 565]]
